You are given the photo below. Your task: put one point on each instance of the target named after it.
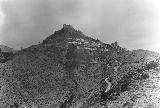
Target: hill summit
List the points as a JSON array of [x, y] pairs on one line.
[[67, 33]]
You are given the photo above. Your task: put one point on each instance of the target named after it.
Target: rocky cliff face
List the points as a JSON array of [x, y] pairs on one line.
[[69, 69]]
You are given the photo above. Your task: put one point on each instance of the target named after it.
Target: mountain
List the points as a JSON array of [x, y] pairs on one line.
[[6, 53], [6, 48], [69, 69]]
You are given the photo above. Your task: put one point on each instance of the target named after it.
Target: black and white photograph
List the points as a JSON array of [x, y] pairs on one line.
[[79, 53]]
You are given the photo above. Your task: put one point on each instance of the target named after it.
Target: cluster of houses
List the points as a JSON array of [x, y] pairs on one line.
[[89, 45]]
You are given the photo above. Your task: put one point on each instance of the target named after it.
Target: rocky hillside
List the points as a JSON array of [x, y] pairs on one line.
[[6, 53], [71, 70], [6, 49]]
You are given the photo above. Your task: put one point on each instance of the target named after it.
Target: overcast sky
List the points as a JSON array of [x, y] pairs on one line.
[[133, 23]]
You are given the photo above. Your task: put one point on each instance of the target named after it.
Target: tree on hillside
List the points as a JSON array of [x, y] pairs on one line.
[[115, 44]]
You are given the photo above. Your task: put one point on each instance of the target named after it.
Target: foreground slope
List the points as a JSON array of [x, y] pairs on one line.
[[69, 69]]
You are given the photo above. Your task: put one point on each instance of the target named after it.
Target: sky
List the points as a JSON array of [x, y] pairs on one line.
[[135, 24]]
